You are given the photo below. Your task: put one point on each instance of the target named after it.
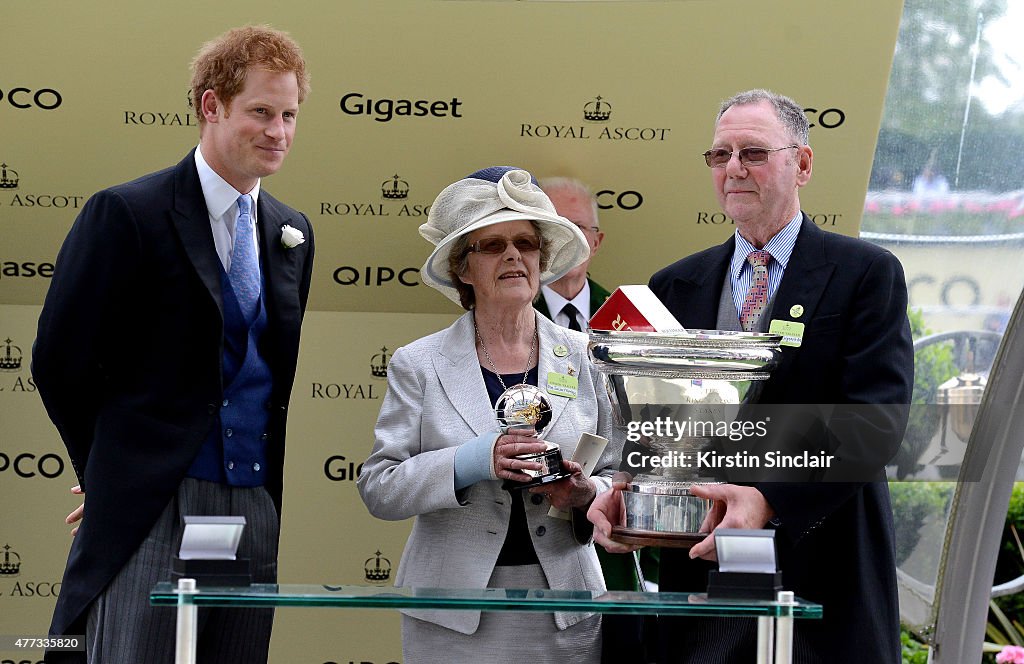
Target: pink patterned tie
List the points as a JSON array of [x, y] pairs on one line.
[[757, 297]]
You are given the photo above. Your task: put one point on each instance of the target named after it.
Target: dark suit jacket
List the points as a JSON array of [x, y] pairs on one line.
[[597, 297], [128, 356], [835, 540]]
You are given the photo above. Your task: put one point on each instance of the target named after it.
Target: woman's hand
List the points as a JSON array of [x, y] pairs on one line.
[[573, 491], [79, 512], [510, 445]]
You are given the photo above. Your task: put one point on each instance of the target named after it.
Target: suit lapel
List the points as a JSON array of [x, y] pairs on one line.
[[550, 336], [280, 273], [597, 296], [695, 293], [458, 370], [803, 283], [541, 305], [192, 223]]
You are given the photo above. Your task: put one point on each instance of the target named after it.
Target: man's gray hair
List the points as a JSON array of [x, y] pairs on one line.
[[571, 186], [790, 113]]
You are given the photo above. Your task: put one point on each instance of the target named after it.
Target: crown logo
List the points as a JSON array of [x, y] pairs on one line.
[[10, 358], [9, 567], [8, 177], [597, 110], [394, 188], [377, 569], [379, 363]]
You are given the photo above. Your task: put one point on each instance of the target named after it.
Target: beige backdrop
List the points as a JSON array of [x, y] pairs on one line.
[[95, 93]]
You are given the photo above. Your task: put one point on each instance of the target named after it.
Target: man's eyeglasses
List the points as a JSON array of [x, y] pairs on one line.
[[497, 245], [719, 157], [587, 229]]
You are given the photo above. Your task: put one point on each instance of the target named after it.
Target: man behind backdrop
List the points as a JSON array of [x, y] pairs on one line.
[[849, 298], [165, 356], [574, 298]]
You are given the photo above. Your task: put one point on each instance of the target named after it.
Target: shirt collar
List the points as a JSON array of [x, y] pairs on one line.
[[220, 195], [556, 302], [780, 246]]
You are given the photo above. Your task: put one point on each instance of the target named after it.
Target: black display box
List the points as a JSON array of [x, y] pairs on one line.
[[744, 585], [210, 573]]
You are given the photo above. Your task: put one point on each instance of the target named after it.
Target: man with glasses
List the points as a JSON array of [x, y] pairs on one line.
[[575, 297], [843, 302]]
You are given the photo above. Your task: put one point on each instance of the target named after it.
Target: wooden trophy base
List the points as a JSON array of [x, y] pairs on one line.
[[624, 535]]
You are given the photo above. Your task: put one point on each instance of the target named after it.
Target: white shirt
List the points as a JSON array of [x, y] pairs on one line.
[[222, 207], [555, 303]]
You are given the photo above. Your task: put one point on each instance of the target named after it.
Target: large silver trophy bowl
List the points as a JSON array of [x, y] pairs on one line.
[[661, 385]]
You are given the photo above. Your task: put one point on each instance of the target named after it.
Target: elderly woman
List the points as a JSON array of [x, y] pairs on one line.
[[438, 455]]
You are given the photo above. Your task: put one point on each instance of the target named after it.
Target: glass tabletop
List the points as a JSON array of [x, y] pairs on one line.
[[489, 599]]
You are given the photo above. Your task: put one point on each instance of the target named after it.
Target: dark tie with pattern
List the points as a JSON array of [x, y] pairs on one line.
[[244, 272], [757, 297], [571, 311]]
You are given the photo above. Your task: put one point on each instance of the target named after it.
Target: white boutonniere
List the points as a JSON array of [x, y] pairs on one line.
[[291, 237]]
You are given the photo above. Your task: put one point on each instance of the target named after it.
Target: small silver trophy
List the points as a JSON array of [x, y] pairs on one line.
[[526, 410]]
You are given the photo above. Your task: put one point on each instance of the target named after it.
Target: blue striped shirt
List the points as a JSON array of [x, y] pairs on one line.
[[780, 247]]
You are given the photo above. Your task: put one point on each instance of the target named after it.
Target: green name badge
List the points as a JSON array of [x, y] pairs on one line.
[[791, 331], [563, 385]]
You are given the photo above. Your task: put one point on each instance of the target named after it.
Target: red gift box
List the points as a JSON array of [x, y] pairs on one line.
[[634, 309]]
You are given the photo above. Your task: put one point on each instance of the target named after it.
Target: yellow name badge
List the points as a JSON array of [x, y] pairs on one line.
[[563, 385], [791, 331]]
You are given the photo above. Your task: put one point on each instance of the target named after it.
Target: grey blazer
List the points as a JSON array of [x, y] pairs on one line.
[[436, 400]]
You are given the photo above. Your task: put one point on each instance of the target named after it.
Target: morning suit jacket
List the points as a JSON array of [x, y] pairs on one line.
[[128, 358], [835, 540], [437, 400]]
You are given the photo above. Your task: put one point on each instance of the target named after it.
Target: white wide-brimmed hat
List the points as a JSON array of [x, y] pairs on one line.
[[491, 196]]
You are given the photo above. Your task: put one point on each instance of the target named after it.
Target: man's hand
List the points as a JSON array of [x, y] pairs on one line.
[[735, 507], [79, 512], [609, 509]]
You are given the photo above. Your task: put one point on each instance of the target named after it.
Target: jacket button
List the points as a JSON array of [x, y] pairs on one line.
[[536, 499], [228, 433], [541, 530], [225, 403], [256, 467], [231, 465]]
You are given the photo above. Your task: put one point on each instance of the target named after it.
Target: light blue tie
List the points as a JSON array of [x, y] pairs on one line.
[[245, 268]]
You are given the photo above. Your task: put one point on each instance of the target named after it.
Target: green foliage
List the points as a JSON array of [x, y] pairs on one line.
[[1001, 629], [1004, 626], [928, 95], [989, 144], [931, 69], [933, 365], [913, 503], [1010, 563], [914, 652]]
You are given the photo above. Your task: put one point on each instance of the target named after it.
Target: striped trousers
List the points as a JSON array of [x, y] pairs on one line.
[[123, 628]]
